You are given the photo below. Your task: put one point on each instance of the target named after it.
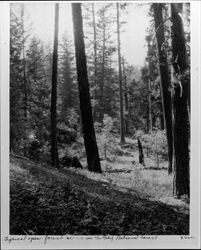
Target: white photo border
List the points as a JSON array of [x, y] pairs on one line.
[[90, 242]]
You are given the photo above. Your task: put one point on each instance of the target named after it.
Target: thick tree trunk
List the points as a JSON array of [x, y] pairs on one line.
[[83, 84], [95, 59], [122, 132], [54, 149], [165, 81], [181, 123]]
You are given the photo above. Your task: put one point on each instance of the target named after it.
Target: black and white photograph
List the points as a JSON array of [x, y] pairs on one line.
[[102, 140]]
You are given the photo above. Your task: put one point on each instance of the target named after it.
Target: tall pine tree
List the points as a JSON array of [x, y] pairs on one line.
[[165, 80], [84, 95], [54, 148], [122, 132]]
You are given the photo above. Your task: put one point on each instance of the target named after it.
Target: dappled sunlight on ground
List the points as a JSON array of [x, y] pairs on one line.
[[122, 171], [132, 177], [126, 174]]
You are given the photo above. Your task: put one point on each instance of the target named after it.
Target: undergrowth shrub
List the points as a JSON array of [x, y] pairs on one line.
[[107, 139], [155, 143]]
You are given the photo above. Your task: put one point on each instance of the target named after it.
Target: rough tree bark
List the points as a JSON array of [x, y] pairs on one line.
[[181, 123], [54, 148], [165, 81], [122, 132], [83, 84]]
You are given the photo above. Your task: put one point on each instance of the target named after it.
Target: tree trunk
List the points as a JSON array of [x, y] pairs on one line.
[[126, 97], [95, 59], [149, 93], [153, 121], [165, 81], [141, 155], [149, 107], [102, 77], [122, 133], [83, 84], [147, 125], [54, 149], [162, 124], [162, 127], [181, 123]]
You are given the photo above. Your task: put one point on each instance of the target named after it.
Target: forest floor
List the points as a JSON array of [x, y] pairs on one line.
[[126, 199]]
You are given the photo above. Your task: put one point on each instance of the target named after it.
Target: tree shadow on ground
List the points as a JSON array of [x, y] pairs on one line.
[[65, 202]]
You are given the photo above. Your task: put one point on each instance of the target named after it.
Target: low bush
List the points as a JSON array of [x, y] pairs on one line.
[[155, 142]]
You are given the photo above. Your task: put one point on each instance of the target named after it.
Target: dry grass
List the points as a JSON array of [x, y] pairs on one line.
[[125, 173]]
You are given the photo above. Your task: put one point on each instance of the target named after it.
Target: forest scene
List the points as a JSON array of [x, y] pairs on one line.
[[100, 118]]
